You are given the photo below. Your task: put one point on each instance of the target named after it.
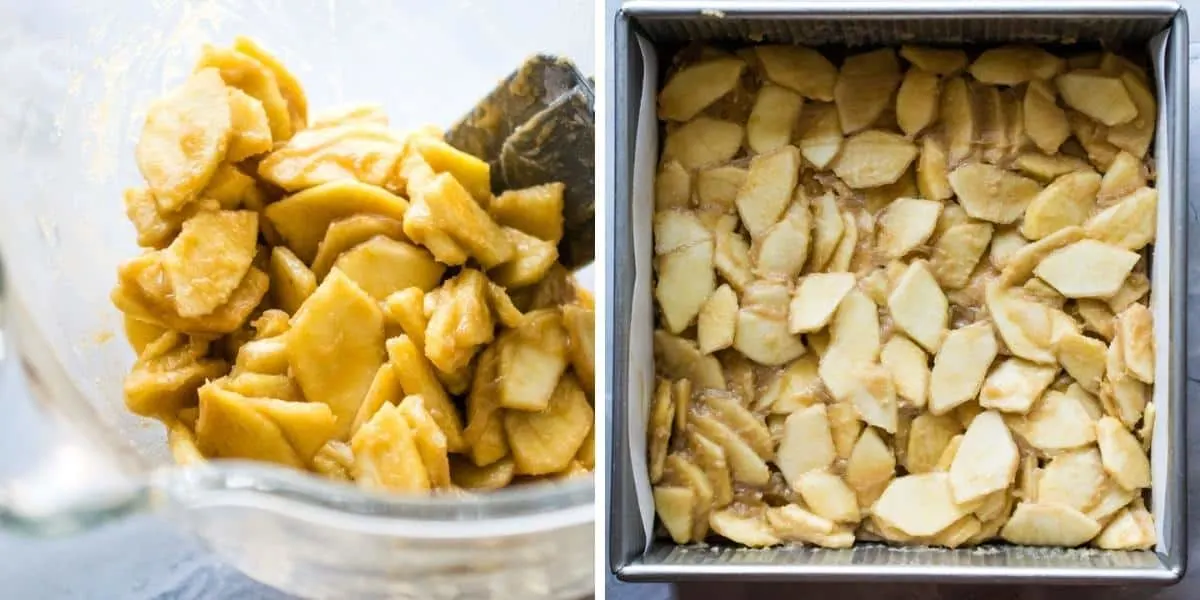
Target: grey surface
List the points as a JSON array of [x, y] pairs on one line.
[[1189, 588], [140, 559]]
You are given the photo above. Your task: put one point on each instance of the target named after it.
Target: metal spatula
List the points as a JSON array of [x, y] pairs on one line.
[[538, 126]]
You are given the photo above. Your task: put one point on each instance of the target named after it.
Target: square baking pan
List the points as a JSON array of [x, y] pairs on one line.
[[646, 32]]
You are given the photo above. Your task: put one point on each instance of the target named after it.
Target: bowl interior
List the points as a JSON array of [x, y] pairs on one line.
[[81, 76]]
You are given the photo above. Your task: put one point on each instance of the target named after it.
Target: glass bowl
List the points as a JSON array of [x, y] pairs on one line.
[[78, 79]]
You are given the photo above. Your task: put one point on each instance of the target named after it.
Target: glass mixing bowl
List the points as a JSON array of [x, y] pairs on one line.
[[78, 77]]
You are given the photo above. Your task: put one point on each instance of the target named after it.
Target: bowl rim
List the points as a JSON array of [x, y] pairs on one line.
[[510, 511], [148, 484]]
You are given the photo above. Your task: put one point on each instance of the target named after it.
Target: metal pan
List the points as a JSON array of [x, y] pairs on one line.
[[1155, 26]]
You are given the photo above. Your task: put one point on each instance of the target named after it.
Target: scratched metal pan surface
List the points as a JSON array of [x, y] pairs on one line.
[[1127, 24]]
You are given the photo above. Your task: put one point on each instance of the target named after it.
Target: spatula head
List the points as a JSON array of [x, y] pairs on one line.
[[538, 126]]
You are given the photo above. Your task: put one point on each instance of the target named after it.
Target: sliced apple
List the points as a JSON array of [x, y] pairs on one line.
[[696, 86], [1087, 269], [960, 366]]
